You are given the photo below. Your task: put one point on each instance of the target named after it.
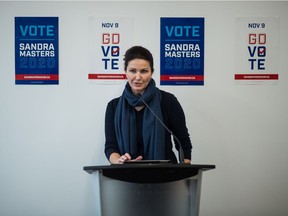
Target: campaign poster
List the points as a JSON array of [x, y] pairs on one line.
[[182, 51], [36, 51], [109, 38], [256, 50]]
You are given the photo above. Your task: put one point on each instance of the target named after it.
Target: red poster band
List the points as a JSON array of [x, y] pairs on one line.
[[36, 77], [107, 76], [256, 76], [182, 77]]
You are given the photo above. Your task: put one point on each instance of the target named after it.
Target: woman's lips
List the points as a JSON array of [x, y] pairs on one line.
[[137, 84]]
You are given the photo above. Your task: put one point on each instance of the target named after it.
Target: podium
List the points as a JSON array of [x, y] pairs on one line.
[[152, 189]]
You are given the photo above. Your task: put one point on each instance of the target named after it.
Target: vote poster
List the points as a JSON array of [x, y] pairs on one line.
[[256, 50], [109, 38], [36, 51], [182, 51]]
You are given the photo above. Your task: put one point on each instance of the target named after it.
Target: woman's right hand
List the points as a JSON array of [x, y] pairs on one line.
[[116, 158], [123, 158]]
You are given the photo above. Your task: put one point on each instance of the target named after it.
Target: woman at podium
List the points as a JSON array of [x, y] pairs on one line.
[[140, 123]]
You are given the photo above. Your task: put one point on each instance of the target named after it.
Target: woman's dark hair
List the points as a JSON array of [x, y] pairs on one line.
[[138, 52]]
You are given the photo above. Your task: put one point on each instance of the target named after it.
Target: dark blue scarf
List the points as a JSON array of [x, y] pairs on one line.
[[153, 131]]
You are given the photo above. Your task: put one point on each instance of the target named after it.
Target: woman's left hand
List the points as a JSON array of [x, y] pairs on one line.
[[187, 161]]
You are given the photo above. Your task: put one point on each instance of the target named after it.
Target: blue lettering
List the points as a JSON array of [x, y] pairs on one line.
[[33, 31], [169, 32], [261, 64], [195, 31], [50, 30], [107, 25], [252, 52], [37, 30], [252, 61], [113, 50], [253, 25], [23, 31], [183, 31], [106, 63], [105, 51], [261, 51], [114, 64]]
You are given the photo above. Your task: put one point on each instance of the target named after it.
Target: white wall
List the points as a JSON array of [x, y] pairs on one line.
[[48, 133]]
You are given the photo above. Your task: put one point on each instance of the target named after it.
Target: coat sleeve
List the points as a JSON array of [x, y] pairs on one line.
[[177, 124], [111, 144]]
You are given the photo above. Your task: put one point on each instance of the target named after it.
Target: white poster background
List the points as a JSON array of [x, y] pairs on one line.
[[109, 38], [250, 68]]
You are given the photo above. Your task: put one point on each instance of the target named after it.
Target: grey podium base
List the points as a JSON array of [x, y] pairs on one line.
[[177, 198]]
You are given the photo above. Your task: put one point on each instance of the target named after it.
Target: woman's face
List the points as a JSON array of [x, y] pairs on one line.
[[139, 74]]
